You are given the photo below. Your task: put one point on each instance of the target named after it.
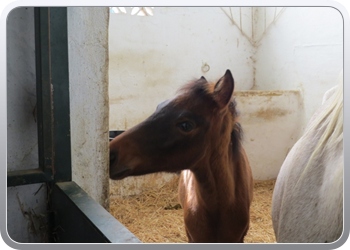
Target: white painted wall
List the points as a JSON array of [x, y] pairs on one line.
[[88, 76], [302, 49], [271, 125]]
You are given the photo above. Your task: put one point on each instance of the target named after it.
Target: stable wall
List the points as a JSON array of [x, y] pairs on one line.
[[88, 77], [302, 49], [152, 56], [271, 126]]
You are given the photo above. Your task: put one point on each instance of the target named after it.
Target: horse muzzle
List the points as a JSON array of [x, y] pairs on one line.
[[117, 171]]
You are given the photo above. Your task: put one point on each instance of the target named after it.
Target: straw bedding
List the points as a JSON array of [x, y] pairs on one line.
[[155, 215]]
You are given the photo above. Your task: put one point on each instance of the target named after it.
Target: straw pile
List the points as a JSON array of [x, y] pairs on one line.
[[155, 215], [261, 230]]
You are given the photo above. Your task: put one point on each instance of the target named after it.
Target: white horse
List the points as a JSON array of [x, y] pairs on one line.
[[307, 203]]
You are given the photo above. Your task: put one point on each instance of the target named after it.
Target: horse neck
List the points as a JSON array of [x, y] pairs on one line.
[[215, 176]]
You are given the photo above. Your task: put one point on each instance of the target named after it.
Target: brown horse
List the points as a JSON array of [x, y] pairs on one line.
[[196, 132]]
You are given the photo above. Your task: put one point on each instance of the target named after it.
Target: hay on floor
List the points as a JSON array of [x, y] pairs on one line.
[[260, 230], [155, 216]]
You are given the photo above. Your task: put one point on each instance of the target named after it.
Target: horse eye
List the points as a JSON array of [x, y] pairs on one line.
[[186, 126]]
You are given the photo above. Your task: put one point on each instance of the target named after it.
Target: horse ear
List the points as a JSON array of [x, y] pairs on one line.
[[223, 89], [203, 79]]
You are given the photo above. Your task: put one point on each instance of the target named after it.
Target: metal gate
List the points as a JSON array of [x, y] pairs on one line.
[[74, 217]]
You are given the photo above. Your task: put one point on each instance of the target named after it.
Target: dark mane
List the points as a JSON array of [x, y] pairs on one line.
[[237, 131], [236, 138]]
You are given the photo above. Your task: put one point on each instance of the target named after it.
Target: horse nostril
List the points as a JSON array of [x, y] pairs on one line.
[[113, 158]]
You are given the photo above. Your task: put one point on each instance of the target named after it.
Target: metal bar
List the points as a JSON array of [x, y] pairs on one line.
[[58, 37], [43, 86], [39, 102], [51, 34], [44, 107], [114, 133], [80, 219], [24, 177]]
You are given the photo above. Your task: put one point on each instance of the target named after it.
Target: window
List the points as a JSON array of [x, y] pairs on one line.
[[139, 11]]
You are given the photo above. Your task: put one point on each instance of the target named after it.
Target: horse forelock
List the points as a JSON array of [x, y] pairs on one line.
[[195, 88], [201, 89]]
